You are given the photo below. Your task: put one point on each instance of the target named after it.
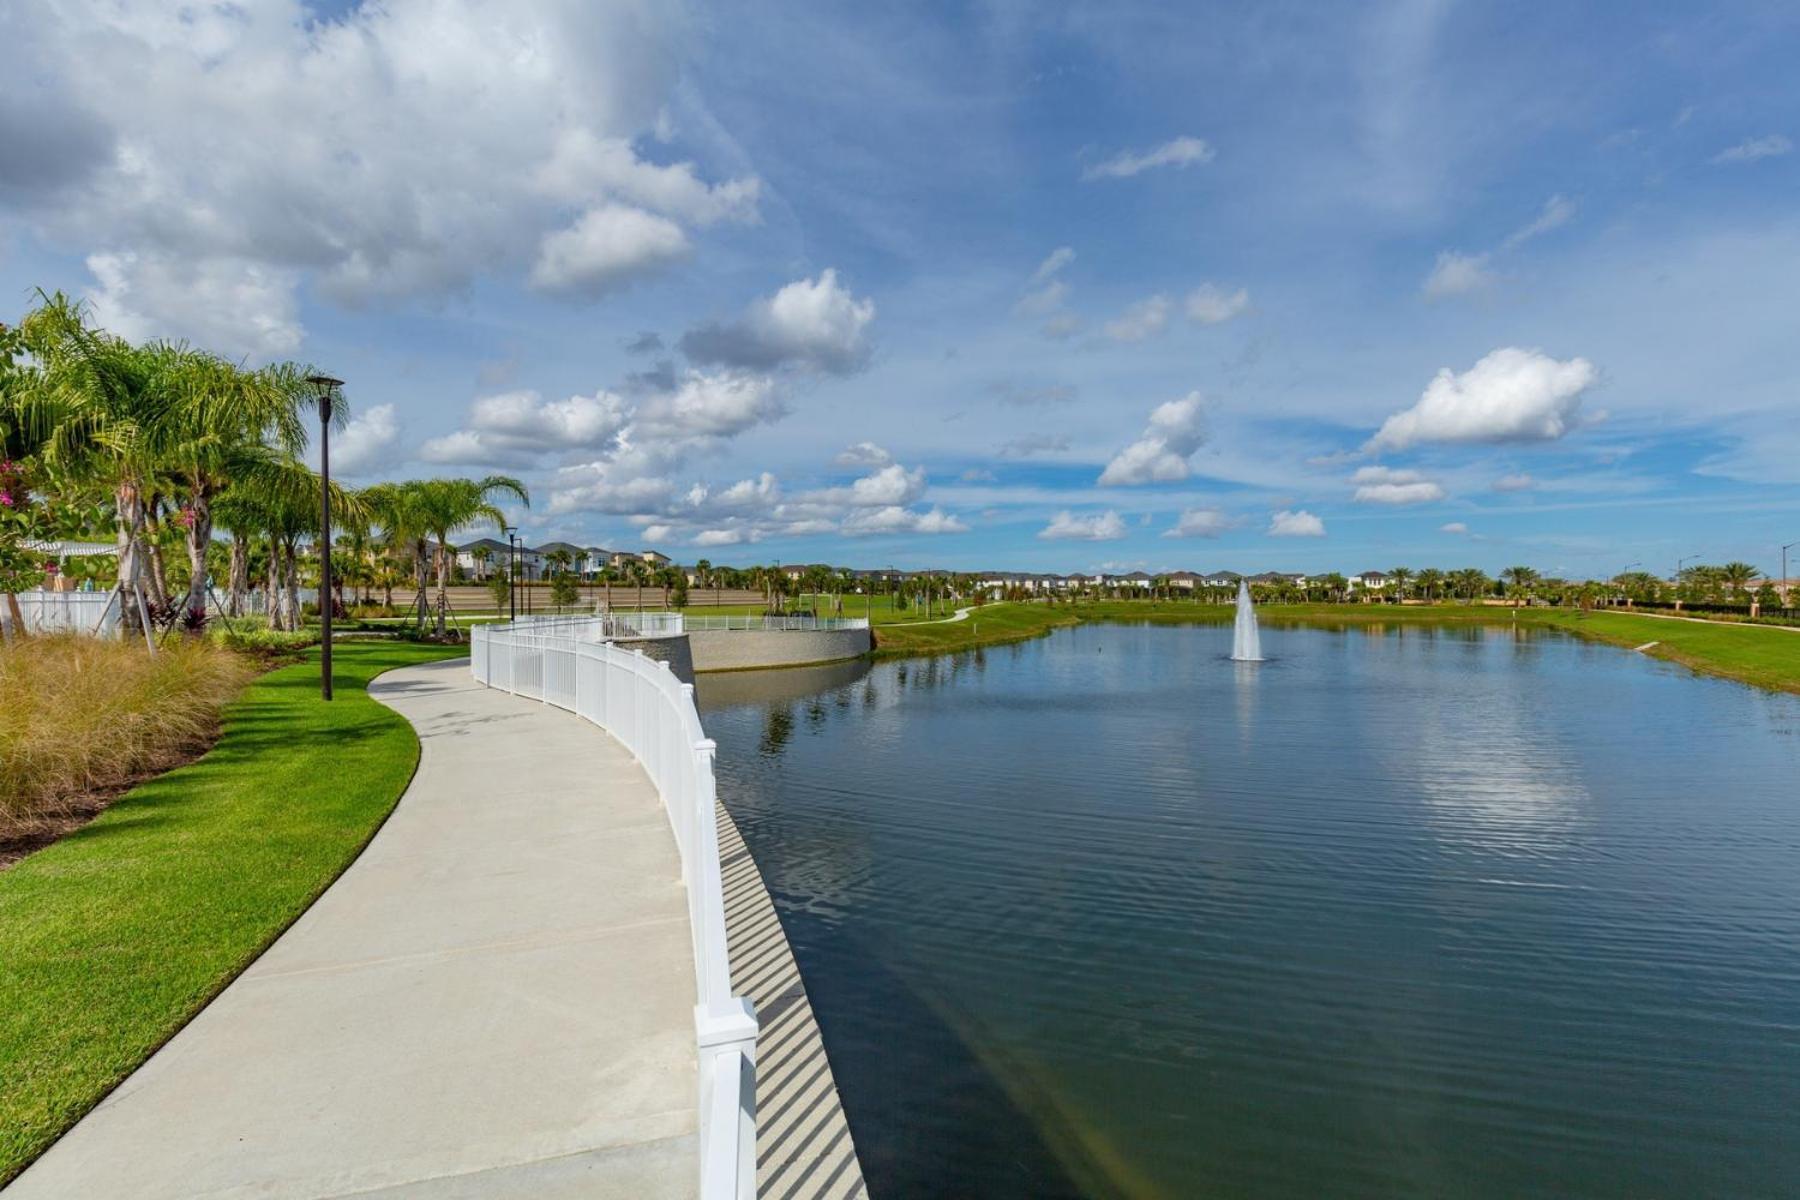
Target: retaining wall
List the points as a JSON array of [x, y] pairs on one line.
[[673, 650], [744, 649]]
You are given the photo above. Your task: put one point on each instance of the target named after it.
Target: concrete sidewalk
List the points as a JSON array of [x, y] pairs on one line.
[[495, 1000]]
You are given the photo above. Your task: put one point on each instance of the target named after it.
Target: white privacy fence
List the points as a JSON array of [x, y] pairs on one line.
[[639, 701], [98, 612], [64, 612]]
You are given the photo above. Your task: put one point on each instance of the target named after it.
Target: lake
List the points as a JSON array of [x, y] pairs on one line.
[[1400, 912]]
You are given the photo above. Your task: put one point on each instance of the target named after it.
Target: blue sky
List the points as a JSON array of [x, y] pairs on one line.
[[1024, 285]]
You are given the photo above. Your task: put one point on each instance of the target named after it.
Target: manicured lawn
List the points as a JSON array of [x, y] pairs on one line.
[[988, 625], [1764, 655], [113, 938]]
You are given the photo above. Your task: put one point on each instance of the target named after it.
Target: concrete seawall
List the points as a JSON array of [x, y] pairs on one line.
[[673, 649], [745, 649]]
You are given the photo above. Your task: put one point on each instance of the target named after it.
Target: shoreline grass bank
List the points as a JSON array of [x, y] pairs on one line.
[[1763, 656], [115, 937]]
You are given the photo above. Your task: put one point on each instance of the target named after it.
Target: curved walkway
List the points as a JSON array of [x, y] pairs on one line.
[[496, 999]]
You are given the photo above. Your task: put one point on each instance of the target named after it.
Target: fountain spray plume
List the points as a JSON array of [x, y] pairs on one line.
[[1246, 640]]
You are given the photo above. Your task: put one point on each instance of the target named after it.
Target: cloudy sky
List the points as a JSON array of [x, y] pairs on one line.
[[1271, 286]]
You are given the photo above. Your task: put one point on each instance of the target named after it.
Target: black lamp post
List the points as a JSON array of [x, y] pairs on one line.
[[325, 387], [512, 573]]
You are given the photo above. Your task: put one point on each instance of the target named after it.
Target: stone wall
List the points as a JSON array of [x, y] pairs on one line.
[[672, 650], [744, 649]]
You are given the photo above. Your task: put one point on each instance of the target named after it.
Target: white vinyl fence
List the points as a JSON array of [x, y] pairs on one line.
[[639, 701], [63, 612], [98, 612]]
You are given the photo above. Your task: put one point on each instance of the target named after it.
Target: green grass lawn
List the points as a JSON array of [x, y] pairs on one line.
[[1765, 655], [115, 937]]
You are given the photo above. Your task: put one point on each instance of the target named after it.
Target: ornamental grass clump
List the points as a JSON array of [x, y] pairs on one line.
[[81, 718]]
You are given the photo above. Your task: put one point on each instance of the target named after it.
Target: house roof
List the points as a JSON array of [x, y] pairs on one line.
[[486, 543]]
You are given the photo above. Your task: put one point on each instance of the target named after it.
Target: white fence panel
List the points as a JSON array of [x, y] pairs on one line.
[[64, 612], [566, 662]]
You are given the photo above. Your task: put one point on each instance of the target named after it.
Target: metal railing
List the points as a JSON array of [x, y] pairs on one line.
[[692, 622], [638, 700]]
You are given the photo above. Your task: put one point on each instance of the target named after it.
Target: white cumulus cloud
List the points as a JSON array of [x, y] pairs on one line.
[[710, 405], [895, 519], [813, 323], [1200, 523], [1456, 527], [1299, 523], [1099, 527], [1177, 152], [863, 454], [216, 157], [229, 304], [366, 444], [1520, 482], [1176, 430], [607, 248], [520, 428], [1386, 485], [1511, 395]]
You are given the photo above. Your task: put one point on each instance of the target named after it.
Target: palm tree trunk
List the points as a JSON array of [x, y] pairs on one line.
[[443, 582], [239, 584], [272, 584], [130, 505], [293, 586], [199, 540], [159, 575], [16, 617]]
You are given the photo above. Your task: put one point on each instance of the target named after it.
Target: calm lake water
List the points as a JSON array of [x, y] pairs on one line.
[[1454, 912]]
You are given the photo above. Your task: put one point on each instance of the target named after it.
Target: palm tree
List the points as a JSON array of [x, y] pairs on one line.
[[230, 425], [1736, 576], [1401, 576], [1431, 581], [447, 506], [416, 512], [1520, 581], [105, 409]]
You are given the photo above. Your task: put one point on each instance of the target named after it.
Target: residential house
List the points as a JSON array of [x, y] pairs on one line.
[[481, 558]]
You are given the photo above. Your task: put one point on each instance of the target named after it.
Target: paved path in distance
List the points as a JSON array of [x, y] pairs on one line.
[[495, 1000]]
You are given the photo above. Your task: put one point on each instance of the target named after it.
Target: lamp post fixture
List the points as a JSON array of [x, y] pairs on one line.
[[325, 388], [512, 572]]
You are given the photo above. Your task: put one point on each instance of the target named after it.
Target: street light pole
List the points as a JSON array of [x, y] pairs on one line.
[[512, 574], [326, 389]]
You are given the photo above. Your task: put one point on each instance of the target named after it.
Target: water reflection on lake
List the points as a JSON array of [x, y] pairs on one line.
[[1403, 911]]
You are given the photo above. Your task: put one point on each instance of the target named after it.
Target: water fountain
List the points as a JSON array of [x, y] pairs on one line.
[[1246, 642]]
